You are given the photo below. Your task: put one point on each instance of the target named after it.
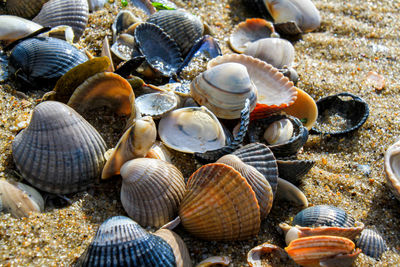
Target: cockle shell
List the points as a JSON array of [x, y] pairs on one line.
[[151, 191], [24, 8], [392, 168], [13, 27], [224, 90], [95, 5], [371, 243], [293, 170], [59, 152], [122, 242], [323, 215], [181, 252], [219, 205]]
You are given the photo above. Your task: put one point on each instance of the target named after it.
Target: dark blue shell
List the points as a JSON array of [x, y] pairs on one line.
[[41, 61], [122, 242], [371, 243], [323, 215]]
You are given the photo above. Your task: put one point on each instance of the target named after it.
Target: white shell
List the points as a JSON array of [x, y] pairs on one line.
[[279, 132], [156, 104], [392, 168], [13, 27]]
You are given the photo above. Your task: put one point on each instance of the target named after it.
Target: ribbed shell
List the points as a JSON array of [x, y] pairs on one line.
[[371, 243], [59, 152], [24, 8], [180, 25], [152, 190], [293, 170], [40, 59], [181, 252], [219, 205], [72, 13], [323, 215], [122, 242]]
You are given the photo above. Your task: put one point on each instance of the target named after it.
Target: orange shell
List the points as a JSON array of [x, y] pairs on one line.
[[219, 205]]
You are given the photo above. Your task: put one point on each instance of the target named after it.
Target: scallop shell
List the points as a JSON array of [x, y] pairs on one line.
[[392, 168], [152, 190], [24, 8], [293, 170], [181, 26], [215, 261], [156, 105], [371, 243], [250, 31], [19, 199], [193, 129], [13, 28], [39, 60], [224, 89], [122, 242], [59, 152], [254, 255], [343, 113], [73, 13], [219, 205], [182, 256], [323, 215]]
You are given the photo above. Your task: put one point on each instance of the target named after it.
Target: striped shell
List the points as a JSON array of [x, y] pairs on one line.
[[371, 243], [152, 190], [392, 168], [24, 8], [122, 242], [323, 215], [219, 205], [72, 13], [181, 252], [59, 152], [293, 170]]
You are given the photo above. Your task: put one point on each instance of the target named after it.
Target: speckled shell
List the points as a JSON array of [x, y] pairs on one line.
[[323, 215], [122, 242], [293, 170], [39, 59], [392, 168], [152, 190], [181, 26], [182, 256], [13, 27], [24, 8], [156, 105], [73, 13], [371, 243], [59, 152], [219, 205], [224, 89]]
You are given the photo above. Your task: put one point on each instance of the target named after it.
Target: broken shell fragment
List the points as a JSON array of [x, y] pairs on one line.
[[392, 168], [159, 151], [255, 254]]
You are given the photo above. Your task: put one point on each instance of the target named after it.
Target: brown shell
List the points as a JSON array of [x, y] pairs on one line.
[[219, 205], [254, 255], [152, 190], [181, 252], [24, 8]]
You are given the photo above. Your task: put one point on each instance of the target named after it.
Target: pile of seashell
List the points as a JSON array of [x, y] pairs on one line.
[[241, 115]]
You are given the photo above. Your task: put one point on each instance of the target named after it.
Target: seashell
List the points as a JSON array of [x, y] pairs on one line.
[[95, 5], [159, 151], [279, 132], [322, 251], [254, 255], [219, 205], [250, 31], [122, 242], [38, 61], [224, 90], [215, 261], [293, 170], [3, 67], [275, 51], [290, 147], [122, 21], [257, 181], [392, 168], [290, 73], [151, 191], [193, 129], [19, 199], [340, 114], [72, 13], [156, 105], [123, 47], [134, 143], [371, 243], [106, 52], [144, 5], [304, 108], [274, 91], [161, 52], [59, 151], [13, 28], [181, 26], [24, 8], [323, 215], [181, 252], [289, 192]]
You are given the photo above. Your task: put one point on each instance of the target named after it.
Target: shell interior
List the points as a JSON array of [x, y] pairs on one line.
[[156, 104]]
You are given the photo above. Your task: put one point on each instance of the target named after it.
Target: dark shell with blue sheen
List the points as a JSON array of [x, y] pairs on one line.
[[323, 215], [371, 243], [42, 61], [122, 242]]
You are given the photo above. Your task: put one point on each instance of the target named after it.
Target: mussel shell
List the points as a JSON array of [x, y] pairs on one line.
[[323, 215], [371, 243], [38, 61], [352, 109], [73, 13], [59, 152], [122, 242], [24, 8], [293, 170]]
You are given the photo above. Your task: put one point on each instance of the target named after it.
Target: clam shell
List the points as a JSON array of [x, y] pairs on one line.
[[123, 47], [254, 255], [181, 26], [182, 256], [290, 192], [122, 242], [59, 152], [215, 261], [13, 27], [24, 8], [293, 170], [250, 31], [323, 215], [19, 199], [371, 243], [193, 129], [43, 60], [73, 13], [156, 105], [219, 205], [392, 168], [342, 113], [151, 191]]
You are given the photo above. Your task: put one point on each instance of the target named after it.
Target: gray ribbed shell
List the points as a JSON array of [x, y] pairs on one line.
[[371, 243], [24, 8], [323, 215], [122, 242], [72, 13], [59, 152]]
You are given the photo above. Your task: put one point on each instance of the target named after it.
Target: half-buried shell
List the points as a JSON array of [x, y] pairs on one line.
[[371, 243], [392, 168]]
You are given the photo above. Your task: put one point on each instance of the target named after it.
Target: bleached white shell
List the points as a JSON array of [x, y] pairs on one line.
[[279, 132]]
